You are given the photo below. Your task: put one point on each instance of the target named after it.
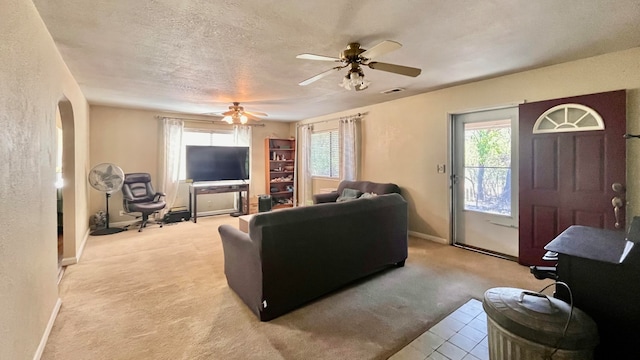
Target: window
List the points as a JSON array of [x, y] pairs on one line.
[[202, 138], [487, 166], [568, 117], [325, 154]]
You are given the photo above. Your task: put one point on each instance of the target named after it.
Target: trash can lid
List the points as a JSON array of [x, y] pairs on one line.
[[540, 318]]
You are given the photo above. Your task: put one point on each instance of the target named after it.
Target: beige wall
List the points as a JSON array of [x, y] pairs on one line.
[[404, 140], [34, 78], [131, 139]]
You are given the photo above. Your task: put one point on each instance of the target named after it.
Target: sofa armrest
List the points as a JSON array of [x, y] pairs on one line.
[[325, 198], [242, 265]]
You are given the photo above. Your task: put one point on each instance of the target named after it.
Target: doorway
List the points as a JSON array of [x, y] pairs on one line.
[[59, 185], [68, 189], [485, 181]]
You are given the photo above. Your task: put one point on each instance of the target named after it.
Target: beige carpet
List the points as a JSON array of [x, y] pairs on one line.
[[162, 294]]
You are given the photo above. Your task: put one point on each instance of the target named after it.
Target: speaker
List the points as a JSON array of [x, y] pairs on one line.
[[264, 203]]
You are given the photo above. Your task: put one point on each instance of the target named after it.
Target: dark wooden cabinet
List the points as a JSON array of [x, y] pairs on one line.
[[280, 172]]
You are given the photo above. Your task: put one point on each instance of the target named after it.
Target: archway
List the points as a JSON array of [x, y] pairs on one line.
[[65, 109]]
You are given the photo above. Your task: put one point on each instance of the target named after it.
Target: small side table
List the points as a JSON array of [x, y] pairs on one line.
[[243, 222]]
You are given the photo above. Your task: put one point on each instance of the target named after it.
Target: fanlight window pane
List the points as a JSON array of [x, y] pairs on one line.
[[487, 165], [556, 116], [568, 117]]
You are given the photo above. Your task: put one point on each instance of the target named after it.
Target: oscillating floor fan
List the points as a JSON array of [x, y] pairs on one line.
[[107, 178]]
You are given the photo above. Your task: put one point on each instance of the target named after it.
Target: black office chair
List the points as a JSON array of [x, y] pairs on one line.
[[138, 196]]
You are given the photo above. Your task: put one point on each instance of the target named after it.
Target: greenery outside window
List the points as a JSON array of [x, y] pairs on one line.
[[487, 167], [325, 154]]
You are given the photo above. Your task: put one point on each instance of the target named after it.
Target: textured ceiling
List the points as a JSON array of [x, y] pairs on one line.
[[197, 56]]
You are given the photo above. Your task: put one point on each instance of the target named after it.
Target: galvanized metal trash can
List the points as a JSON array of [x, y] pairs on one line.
[[524, 325]]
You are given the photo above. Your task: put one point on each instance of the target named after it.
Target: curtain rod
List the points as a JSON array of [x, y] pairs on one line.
[[159, 117], [333, 119]]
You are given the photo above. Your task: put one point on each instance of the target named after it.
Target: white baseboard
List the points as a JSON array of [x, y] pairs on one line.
[[69, 261], [61, 273], [200, 214], [429, 237], [74, 259], [47, 330], [84, 243], [216, 212], [123, 223]]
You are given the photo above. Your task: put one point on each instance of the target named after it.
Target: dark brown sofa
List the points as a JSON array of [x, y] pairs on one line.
[[292, 256], [363, 186]]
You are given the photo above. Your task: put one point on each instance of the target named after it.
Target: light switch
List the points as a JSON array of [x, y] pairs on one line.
[[441, 168]]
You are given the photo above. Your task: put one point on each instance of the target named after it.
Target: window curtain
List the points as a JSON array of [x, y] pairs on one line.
[[350, 144], [172, 130], [242, 135], [305, 191]]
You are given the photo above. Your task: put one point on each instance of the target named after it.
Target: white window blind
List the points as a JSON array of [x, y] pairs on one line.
[[325, 154]]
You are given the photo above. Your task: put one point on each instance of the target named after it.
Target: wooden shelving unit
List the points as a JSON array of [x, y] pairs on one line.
[[280, 174]]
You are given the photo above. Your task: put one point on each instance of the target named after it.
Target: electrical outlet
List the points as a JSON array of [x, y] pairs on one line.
[[441, 168]]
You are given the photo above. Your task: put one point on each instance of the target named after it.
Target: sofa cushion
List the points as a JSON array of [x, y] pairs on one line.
[[364, 186], [349, 194], [368, 186]]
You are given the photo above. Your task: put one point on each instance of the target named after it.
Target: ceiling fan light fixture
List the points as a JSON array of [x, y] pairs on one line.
[[364, 84], [355, 80], [237, 115], [355, 56]]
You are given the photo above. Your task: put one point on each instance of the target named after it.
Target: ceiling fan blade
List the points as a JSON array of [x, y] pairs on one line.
[[320, 76], [381, 49], [256, 113], [396, 69], [252, 116], [317, 57], [228, 113]]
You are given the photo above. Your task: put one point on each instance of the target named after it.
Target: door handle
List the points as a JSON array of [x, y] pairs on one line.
[[617, 204]]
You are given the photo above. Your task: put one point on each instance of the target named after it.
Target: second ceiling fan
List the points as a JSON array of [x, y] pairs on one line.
[[237, 114], [356, 57]]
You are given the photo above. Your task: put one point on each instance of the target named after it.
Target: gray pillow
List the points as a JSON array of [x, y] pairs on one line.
[[349, 194]]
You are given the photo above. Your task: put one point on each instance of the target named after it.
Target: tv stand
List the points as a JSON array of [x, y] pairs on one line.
[[218, 187]]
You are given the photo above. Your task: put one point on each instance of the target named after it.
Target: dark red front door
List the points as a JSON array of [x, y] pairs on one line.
[[566, 177]]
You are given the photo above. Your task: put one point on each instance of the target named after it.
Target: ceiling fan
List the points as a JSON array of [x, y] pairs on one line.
[[356, 57], [237, 114]]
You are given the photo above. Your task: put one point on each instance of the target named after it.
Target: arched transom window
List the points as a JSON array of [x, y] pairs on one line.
[[568, 117]]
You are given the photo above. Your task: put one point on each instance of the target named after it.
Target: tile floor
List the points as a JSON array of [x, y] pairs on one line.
[[460, 336]]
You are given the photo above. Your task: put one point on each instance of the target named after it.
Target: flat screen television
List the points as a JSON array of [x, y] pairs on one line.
[[216, 163]]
